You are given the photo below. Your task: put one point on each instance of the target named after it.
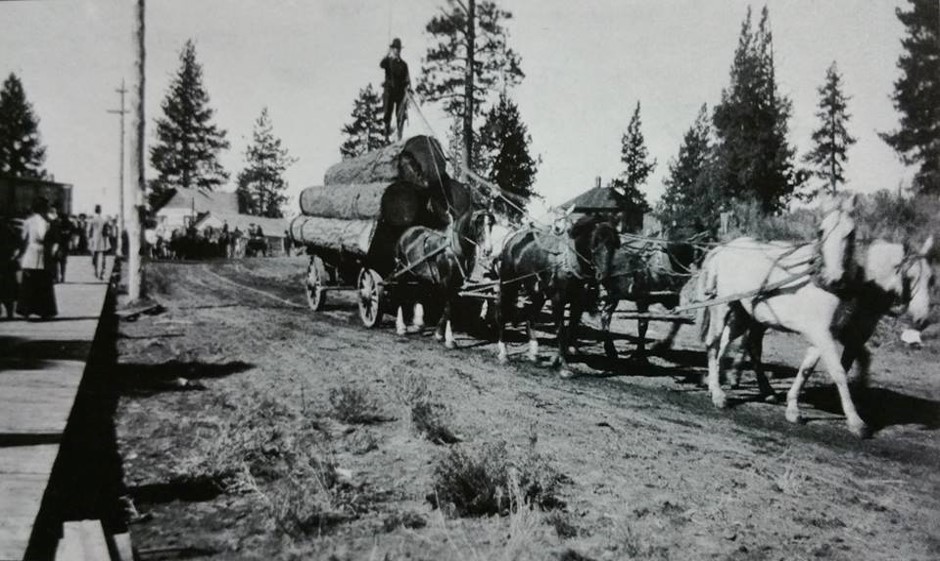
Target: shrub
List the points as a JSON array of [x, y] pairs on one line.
[[429, 420], [479, 481], [354, 405], [749, 220]]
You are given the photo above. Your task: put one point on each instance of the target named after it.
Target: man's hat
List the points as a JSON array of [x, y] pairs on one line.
[[396, 43]]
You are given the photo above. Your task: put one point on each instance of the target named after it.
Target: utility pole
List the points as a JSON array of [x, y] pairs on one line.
[[122, 111], [468, 86], [137, 159]]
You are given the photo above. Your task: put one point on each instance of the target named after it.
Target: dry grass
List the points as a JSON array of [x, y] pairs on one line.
[[428, 418], [479, 481], [431, 421], [354, 405], [261, 445]]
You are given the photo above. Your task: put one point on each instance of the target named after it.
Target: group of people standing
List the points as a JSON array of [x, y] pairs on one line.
[[34, 255]]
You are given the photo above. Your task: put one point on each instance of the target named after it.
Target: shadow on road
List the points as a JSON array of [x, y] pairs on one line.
[[142, 380], [879, 407]]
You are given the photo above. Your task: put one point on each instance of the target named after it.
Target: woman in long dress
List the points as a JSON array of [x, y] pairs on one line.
[[37, 292]]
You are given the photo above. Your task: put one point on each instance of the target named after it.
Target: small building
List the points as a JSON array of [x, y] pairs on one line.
[[18, 193], [602, 200], [185, 206]]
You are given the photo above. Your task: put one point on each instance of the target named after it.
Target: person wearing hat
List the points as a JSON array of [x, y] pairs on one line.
[[397, 82]]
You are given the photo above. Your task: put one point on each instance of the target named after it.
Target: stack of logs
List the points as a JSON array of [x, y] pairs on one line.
[[400, 185]]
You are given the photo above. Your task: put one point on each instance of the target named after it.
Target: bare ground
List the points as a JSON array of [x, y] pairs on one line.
[[650, 469]]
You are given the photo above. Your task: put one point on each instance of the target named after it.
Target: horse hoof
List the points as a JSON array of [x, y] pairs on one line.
[[449, 344], [533, 358], [720, 400], [503, 359], [861, 430], [438, 336], [794, 416], [565, 374]]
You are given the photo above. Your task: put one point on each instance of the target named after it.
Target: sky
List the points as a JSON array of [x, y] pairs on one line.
[[587, 64]]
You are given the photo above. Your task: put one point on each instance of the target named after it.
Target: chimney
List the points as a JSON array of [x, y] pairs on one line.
[[598, 181]]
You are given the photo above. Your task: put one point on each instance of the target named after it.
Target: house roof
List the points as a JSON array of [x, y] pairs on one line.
[[596, 199], [202, 201], [271, 226]]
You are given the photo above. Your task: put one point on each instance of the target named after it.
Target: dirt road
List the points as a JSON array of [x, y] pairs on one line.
[[649, 469]]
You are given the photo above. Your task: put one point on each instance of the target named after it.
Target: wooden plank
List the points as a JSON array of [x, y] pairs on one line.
[[27, 459], [14, 536], [54, 374], [45, 414], [123, 548], [93, 541], [70, 546], [82, 541], [37, 392], [22, 493]]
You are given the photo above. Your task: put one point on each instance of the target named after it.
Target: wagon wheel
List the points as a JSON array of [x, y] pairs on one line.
[[370, 297], [316, 277]]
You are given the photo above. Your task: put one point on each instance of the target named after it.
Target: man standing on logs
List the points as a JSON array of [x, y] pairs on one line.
[[397, 82]]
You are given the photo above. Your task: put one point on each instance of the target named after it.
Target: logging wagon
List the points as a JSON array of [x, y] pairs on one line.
[[350, 224]]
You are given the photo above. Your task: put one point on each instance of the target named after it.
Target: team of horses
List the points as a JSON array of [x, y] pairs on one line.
[[831, 291]]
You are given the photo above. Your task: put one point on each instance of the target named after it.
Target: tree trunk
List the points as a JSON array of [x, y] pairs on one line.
[[468, 86]]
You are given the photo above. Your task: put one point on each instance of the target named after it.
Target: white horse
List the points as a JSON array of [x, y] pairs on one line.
[[798, 302], [893, 277], [750, 269]]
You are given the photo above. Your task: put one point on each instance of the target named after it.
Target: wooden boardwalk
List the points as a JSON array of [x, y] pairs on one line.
[[41, 367]]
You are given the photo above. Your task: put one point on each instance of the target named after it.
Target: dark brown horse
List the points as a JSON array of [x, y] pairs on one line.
[[563, 268], [438, 263], [646, 272]]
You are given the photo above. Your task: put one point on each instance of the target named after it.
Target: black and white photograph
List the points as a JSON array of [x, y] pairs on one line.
[[510, 280]]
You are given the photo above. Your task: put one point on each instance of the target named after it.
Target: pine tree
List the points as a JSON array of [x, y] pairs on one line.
[[21, 151], [460, 42], [831, 140], [917, 94], [261, 184], [366, 132], [751, 123], [635, 156], [188, 143], [504, 141], [455, 148], [691, 202]]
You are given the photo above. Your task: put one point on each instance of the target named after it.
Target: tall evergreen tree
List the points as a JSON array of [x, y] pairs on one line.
[[186, 153], [917, 94], [504, 141], [751, 123], [635, 156], [261, 184], [21, 151], [455, 148], [366, 132], [461, 43], [831, 140], [691, 202]]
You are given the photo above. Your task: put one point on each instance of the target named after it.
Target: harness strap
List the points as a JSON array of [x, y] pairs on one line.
[[761, 291]]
